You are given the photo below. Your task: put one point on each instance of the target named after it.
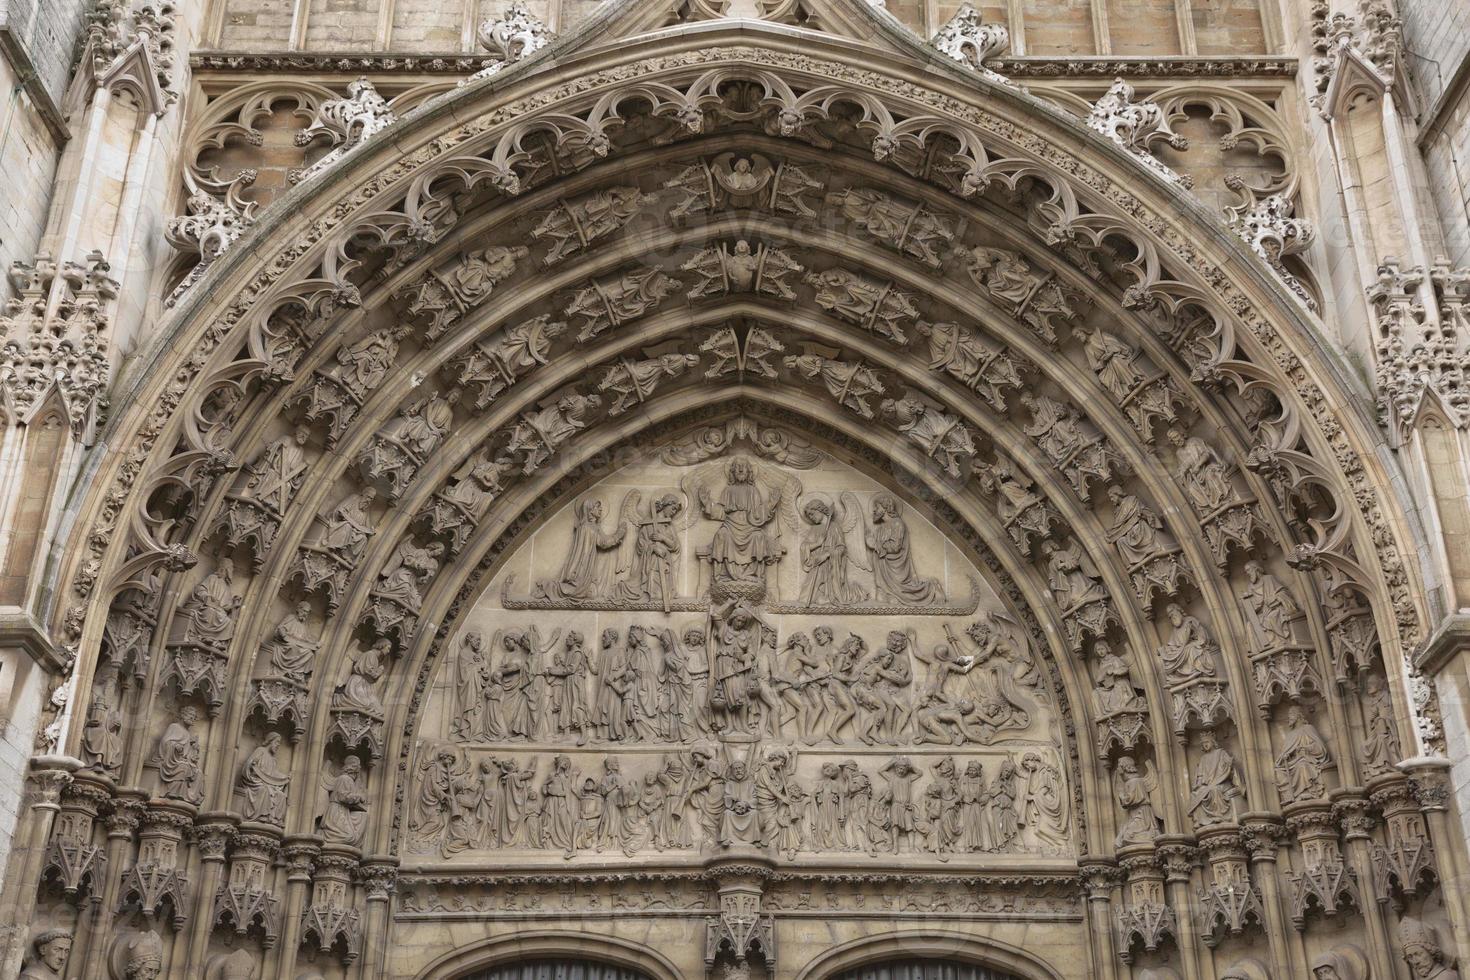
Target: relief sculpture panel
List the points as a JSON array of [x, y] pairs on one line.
[[721, 648]]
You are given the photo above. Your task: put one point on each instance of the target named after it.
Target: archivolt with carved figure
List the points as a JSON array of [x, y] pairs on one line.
[[751, 481]]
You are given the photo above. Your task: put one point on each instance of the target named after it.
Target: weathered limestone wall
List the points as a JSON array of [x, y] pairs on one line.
[[1437, 39]]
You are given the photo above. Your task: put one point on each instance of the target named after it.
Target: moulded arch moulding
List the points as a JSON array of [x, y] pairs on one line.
[[926, 944], [533, 944]]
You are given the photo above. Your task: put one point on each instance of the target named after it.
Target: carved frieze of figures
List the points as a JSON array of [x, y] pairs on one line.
[[1083, 600], [1038, 301], [401, 447], [1216, 786], [200, 637], [1146, 395], [1122, 708], [337, 392], [492, 367], [653, 683], [742, 268], [873, 304], [618, 299], [1149, 551], [1136, 791], [851, 383], [539, 434], [904, 226], [1303, 761], [397, 597], [456, 509], [252, 515], [443, 296], [631, 382], [730, 181], [696, 799], [741, 348], [1282, 661], [989, 371], [1026, 515], [1081, 454], [325, 563], [574, 224], [944, 438], [1198, 692], [586, 571], [1227, 517]]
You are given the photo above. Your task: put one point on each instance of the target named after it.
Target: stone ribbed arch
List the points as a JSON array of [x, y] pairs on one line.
[[339, 250]]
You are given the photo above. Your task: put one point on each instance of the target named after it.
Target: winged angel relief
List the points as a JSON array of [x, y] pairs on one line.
[[840, 555]]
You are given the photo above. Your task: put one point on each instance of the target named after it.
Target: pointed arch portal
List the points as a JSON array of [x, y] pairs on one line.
[[737, 490]]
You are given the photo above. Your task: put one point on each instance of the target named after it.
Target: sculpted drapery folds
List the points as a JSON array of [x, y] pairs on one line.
[[688, 644]]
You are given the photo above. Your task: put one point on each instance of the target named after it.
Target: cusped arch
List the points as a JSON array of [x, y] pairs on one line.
[[919, 951], [599, 957]]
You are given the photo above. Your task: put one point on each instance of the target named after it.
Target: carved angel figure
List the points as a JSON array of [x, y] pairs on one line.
[[742, 268], [849, 382], [1072, 577], [406, 572], [944, 438], [827, 549], [359, 692], [634, 381], [1135, 793], [1115, 693], [650, 575], [347, 529], [584, 572]]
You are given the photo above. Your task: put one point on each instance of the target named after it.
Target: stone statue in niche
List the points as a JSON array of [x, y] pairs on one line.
[[575, 224], [632, 382], [1189, 652], [1303, 760], [988, 371], [832, 542], [1025, 513], [742, 268], [1343, 962], [1381, 751], [851, 383], [1216, 788], [620, 298], [1205, 478], [1270, 609], [344, 821], [401, 447], [179, 759], [650, 575], [540, 433], [942, 437], [1115, 692], [905, 226], [492, 367], [398, 595], [1135, 790], [1036, 301], [888, 543], [1146, 397], [1078, 589], [456, 510], [292, 645], [359, 692], [277, 473], [730, 181], [338, 391], [264, 784], [586, 572], [236, 965], [324, 565], [50, 950], [1081, 455], [207, 617], [442, 297], [102, 736], [872, 304], [781, 801], [1424, 951], [1137, 531], [136, 956]]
